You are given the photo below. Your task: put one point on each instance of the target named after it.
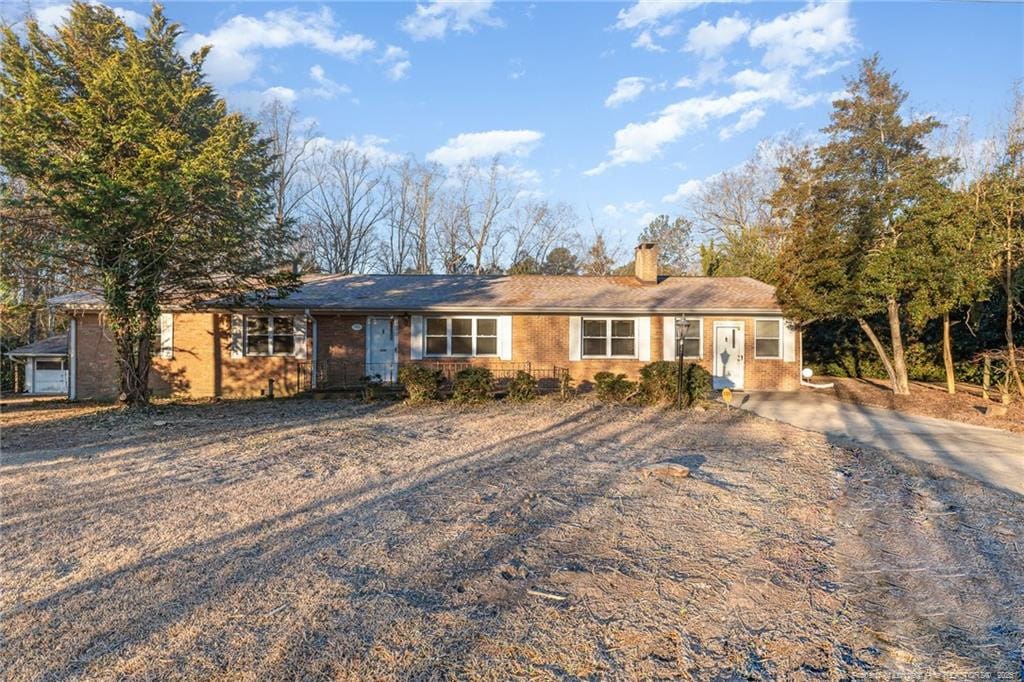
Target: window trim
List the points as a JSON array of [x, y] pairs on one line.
[[699, 322], [608, 338], [474, 335], [778, 338], [270, 337]]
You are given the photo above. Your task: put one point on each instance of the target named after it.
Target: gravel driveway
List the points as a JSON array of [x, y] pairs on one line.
[[303, 539]]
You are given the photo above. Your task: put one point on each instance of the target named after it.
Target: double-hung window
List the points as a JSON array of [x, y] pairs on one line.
[[461, 336], [265, 335], [692, 340], [768, 339], [609, 338]]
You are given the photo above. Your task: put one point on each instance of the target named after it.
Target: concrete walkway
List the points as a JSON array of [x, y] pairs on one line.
[[990, 455]]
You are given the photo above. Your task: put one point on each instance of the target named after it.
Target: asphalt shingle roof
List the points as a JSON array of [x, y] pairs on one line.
[[54, 345], [514, 293]]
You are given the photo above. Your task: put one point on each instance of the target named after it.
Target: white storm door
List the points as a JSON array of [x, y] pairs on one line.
[[380, 350], [728, 356]]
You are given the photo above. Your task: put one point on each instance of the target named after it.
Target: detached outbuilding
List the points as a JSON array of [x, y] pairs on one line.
[[45, 365]]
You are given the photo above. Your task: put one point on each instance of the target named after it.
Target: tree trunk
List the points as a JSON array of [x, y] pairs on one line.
[[133, 361], [947, 355], [879, 348], [901, 384], [1010, 303]]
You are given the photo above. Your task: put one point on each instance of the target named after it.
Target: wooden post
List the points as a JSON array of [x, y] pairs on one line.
[[986, 377], [270, 388]]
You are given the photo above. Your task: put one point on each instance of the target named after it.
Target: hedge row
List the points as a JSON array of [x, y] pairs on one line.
[[658, 385]]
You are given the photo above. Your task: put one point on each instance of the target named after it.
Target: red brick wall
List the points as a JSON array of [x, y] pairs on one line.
[[202, 365], [543, 340]]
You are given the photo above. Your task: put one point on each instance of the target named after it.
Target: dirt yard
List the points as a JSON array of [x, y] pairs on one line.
[[317, 539], [928, 400]]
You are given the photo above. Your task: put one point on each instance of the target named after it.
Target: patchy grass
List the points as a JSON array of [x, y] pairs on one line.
[[319, 539]]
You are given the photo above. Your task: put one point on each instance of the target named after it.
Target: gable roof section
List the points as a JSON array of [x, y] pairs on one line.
[[513, 293]]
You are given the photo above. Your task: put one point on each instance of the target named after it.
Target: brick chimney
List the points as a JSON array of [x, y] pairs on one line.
[[646, 262]]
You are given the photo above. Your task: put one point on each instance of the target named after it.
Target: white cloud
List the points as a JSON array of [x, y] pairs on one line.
[[236, 43], [686, 190], [711, 39], [640, 142], [372, 146], [747, 121], [709, 71], [645, 41], [434, 20], [328, 89], [398, 70], [636, 206], [612, 211], [51, 16], [396, 61], [626, 90], [470, 146], [797, 38], [652, 12]]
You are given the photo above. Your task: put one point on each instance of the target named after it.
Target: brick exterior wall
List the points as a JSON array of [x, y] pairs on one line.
[[202, 365]]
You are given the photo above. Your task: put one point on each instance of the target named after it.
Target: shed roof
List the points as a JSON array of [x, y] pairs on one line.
[[511, 293], [54, 345]]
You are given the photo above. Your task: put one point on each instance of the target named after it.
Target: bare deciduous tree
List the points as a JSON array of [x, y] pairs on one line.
[[343, 211]]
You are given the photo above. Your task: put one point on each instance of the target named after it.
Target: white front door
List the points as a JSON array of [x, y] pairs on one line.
[[50, 376], [728, 355], [380, 350]]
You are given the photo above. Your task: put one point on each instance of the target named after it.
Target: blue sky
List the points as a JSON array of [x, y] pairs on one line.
[[620, 109]]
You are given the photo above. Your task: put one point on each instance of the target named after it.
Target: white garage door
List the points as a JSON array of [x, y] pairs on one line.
[[50, 377]]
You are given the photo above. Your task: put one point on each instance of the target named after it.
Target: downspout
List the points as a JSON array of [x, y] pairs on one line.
[[73, 360], [312, 364]]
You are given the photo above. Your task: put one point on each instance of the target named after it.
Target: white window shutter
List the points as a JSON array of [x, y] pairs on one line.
[[167, 335], [300, 337], [668, 338], [788, 341], [505, 337], [643, 339], [416, 337], [575, 337], [236, 336]]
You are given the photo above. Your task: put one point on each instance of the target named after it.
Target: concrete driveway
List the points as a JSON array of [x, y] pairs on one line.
[[990, 455]]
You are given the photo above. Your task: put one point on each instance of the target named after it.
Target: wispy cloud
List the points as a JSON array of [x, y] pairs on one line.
[[433, 20], [326, 88], [686, 190], [396, 62], [471, 146], [626, 90]]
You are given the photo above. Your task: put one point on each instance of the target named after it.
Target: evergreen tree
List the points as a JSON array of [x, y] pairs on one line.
[[153, 188], [853, 215], [560, 261], [675, 243]]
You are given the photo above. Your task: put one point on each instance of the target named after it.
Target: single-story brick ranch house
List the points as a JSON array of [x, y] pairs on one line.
[[336, 327]]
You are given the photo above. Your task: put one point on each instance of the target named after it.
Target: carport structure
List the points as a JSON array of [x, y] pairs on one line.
[[45, 365]]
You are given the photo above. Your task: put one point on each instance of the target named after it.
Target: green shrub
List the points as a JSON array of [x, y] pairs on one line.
[[613, 388], [696, 384], [659, 382], [473, 385], [522, 388], [421, 383]]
